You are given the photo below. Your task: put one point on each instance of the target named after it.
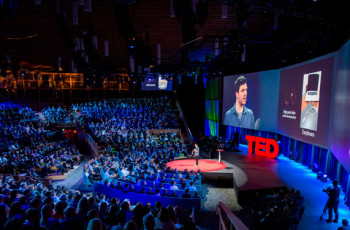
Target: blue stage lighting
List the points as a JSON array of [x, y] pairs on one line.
[[324, 178]]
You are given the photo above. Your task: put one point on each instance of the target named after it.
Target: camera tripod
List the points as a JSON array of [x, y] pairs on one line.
[[325, 209]]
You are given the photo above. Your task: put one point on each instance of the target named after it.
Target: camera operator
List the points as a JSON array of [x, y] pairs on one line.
[[333, 202]]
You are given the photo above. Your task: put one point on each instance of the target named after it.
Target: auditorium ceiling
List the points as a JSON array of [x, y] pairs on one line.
[[168, 35]]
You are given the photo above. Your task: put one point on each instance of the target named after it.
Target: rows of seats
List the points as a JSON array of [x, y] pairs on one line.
[[159, 185], [168, 180], [56, 115], [28, 204], [187, 203], [30, 145], [280, 208], [131, 154], [122, 127]]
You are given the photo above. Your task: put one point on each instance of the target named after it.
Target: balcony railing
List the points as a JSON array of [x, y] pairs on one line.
[[228, 220], [45, 80]]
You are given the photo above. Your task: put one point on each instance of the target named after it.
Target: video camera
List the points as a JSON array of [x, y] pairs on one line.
[[327, 190]]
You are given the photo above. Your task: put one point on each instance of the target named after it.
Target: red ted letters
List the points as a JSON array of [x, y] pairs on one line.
[[262, 146]]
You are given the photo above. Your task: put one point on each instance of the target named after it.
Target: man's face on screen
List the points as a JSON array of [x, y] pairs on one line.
[[241, 95]]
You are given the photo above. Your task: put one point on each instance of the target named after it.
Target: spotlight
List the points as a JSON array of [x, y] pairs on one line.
[[324, 178]]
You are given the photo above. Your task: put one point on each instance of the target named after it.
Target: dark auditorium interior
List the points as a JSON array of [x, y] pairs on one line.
[[174, 114]]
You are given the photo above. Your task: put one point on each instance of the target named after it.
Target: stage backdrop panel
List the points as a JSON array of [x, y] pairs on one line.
[[305, 101], [211, 128], [262, 98], [340, 130], [212, 110], [212, 91], [212, 107]]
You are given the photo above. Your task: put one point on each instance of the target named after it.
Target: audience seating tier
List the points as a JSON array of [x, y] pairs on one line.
[[144, 198]]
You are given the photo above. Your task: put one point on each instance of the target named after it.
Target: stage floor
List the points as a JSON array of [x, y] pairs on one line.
[[204, 165], [263, 173], [251, 172]]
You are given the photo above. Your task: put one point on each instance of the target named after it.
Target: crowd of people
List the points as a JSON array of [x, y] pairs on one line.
[[209, 144], [146, 177], [277, 209], [59, 114], [122, 128], [30, 145], [132, 158], [111, 117], [132, 153], [25, 205]]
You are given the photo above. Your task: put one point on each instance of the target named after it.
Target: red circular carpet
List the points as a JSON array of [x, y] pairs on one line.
[[189, 164]]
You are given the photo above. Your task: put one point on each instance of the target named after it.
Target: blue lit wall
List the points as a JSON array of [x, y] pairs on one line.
[[340, 111], [211, 128], [212, 107], [212, 110]]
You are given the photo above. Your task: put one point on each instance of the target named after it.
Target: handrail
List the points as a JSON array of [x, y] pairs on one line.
[[188, 131], [221, 221], [87, 138], [234, 221]]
